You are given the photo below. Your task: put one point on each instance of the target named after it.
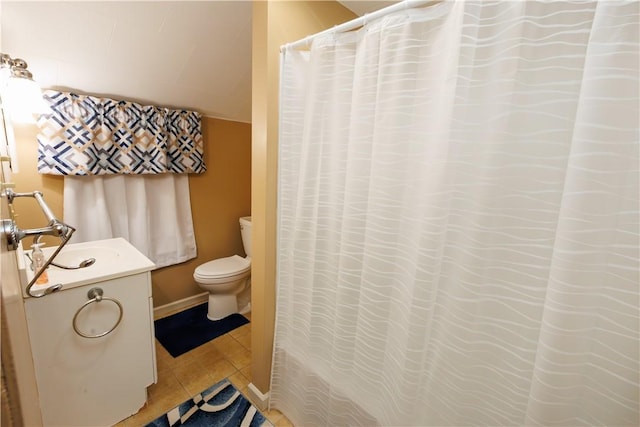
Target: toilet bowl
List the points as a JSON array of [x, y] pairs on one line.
[[225, 278]]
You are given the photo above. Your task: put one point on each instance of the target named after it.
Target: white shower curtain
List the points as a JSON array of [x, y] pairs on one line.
[[458, 219], [152, 212]]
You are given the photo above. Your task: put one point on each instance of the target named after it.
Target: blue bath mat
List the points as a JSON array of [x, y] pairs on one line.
[[191, 328], [220, 405]]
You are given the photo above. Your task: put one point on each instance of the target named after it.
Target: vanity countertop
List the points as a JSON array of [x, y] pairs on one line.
[[114, 258]]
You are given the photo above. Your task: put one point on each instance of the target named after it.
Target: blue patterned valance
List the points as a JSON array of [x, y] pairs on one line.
[[88, 135]]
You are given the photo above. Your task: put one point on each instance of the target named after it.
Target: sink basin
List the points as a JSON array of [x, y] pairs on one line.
[[73, 257], [114, 258]]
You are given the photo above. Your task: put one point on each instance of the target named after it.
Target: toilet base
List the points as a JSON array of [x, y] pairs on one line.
[[221, 306]]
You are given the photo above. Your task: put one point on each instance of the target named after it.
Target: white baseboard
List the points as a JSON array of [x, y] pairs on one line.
[[176, 306], [258, 398]]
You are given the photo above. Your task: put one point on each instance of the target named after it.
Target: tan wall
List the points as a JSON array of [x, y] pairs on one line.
[[27, 179], [218, 198], [274, 23]]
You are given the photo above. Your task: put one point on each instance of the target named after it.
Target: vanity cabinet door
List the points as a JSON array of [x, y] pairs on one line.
[[93, 381]]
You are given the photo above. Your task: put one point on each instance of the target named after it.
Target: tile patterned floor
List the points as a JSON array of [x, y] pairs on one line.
[[228, 356]]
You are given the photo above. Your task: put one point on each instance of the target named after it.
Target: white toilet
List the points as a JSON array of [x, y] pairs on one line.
[[225, 278]]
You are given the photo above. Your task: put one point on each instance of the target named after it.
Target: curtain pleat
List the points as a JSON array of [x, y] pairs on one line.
[[458, 219]]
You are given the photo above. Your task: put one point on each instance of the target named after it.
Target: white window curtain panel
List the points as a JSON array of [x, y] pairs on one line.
[[152, 212], [458, 219]]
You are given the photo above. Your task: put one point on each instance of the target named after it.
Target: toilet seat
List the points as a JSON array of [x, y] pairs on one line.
[[222, 267]]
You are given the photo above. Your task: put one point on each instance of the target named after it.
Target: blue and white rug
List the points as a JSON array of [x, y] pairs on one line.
[[219, 405]]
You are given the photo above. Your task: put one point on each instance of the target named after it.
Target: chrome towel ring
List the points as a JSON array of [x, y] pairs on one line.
[[95, 295]]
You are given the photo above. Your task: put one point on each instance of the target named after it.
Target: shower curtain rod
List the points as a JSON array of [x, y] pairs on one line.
[[359, 22]]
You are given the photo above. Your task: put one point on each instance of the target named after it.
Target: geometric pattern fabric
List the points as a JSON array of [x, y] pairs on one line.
[[89, 135], [220, 405]]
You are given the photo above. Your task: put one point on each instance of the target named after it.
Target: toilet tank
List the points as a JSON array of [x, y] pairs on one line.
[[245, 231]]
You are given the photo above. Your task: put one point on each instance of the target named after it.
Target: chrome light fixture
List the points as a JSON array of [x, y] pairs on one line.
[[21, 96]]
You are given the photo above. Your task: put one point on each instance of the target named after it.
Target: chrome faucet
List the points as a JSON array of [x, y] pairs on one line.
[[55, 227]]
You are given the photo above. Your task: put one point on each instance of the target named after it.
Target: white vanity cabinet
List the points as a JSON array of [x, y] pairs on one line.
[[93, 381]]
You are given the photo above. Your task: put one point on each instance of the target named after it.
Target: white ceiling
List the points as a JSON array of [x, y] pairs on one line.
[[192, 55]]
